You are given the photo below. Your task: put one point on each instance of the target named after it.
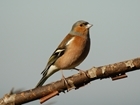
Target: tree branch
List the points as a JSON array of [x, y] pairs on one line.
[[115, 71]]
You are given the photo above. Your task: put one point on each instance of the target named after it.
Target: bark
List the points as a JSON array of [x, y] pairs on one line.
[[114, 71]]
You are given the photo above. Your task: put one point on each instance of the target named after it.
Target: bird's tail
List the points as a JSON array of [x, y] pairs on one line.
[[46, 74], [41, 82]]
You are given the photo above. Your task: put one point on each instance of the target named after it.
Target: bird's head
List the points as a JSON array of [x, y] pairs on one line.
[[80, 28]]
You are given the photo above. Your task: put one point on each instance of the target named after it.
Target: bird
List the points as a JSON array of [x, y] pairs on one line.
[[70, 53]]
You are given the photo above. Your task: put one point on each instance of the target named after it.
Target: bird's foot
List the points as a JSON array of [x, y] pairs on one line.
[[66, 83], [81, 72]]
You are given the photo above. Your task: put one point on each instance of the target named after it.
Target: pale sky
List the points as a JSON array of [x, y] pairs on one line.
[[31, 30]]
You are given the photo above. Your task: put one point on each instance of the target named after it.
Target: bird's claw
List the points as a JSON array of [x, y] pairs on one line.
[[81, 72], [66, 84]]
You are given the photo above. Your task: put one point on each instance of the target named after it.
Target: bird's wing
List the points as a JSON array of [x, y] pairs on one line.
[[58, 52]]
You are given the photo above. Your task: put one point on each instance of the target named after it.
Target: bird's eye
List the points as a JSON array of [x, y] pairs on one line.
[[81, 25]]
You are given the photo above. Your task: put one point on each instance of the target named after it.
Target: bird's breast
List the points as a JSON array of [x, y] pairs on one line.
[[75, 53]]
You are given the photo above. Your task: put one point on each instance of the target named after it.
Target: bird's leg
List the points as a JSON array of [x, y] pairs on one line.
[[81, 71], [65, 81]]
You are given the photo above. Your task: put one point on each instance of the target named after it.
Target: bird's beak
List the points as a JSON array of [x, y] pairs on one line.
[[89, 25]]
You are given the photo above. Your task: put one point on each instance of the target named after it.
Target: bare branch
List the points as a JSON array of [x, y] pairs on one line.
[[115, 71]]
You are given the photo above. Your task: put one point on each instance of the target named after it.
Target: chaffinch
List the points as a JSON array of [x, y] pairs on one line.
[[71, 51]]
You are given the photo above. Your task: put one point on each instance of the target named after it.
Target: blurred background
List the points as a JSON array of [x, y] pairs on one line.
[[31, 30]]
